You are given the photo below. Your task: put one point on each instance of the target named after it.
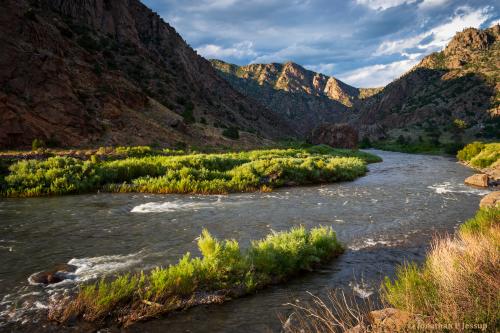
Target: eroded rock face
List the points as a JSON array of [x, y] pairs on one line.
[[335, 135], [478, 180], [303, 98], [109, 72]]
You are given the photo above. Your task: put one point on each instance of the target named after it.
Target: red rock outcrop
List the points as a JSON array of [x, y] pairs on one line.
[[335, 135]]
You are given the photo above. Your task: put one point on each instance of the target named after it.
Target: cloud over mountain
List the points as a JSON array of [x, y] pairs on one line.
[[366, 42]]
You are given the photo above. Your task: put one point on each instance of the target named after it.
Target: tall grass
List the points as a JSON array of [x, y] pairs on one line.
[[223, 270], [460, 280], [480, 155], [458, 284], [331, 313], [194, 173]]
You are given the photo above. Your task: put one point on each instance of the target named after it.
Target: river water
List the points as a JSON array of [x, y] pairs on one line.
[[384, 218]]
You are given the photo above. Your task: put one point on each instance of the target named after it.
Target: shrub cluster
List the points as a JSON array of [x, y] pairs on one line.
[[195, 173], [223, 269]]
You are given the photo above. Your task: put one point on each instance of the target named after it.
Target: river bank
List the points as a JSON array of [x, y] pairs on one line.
[[383, 219], [455, 288]]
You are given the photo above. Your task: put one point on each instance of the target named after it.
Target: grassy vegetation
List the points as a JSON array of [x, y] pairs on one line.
[[142, 169], [428, 143], [411, 147], [460, 280], [223, 270], [479, 154]]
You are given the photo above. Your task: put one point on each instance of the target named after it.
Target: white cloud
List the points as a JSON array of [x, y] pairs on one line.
[[428, 4], [438, 37], [383, 4], [290, 53], [208, 5], [327, 69], [377, 75], [238, 51], [493, 23]]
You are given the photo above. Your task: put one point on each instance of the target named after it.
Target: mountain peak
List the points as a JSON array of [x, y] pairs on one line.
[[472, 39], [294, 78]]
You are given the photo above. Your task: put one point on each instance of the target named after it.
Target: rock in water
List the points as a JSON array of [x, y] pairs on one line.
[[479, 180], [491, 200], [335, 135], [56, 275]]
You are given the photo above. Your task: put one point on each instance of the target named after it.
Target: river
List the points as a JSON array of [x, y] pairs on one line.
[[384, 218]]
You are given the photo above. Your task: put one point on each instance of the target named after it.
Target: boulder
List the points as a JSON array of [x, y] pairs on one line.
[[479, 180], [46, 278], [389, 320], [385, 320], [335, 135], [491, 200], [55, 275]]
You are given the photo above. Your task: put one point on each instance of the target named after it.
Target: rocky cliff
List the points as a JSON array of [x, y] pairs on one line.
[[448, 94], [304, 98], [96, 72]]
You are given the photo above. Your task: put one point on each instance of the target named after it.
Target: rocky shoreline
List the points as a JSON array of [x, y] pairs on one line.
[[485, 177], [396, 320]]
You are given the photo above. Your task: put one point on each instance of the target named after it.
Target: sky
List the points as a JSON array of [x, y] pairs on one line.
[[365, 43]]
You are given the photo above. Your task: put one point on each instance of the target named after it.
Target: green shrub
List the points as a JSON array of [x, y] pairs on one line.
[[401, 140], [37, 144], [485, 218], [412, 290], [231, 133], [470, 151], [452, 148], [413, 148], [188, 116], [88, 42], [460, 124], [221, 267], [136, 151], [365, 143], [156, 171], [480, 154], [56, 175]]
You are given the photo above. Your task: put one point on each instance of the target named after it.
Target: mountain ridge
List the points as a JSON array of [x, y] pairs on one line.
[[452, 94], [292, 77], [459, 84], [305, 99], [84, 73]]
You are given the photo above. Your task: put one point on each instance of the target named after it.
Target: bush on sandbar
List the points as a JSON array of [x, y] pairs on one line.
[[223, 268]]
